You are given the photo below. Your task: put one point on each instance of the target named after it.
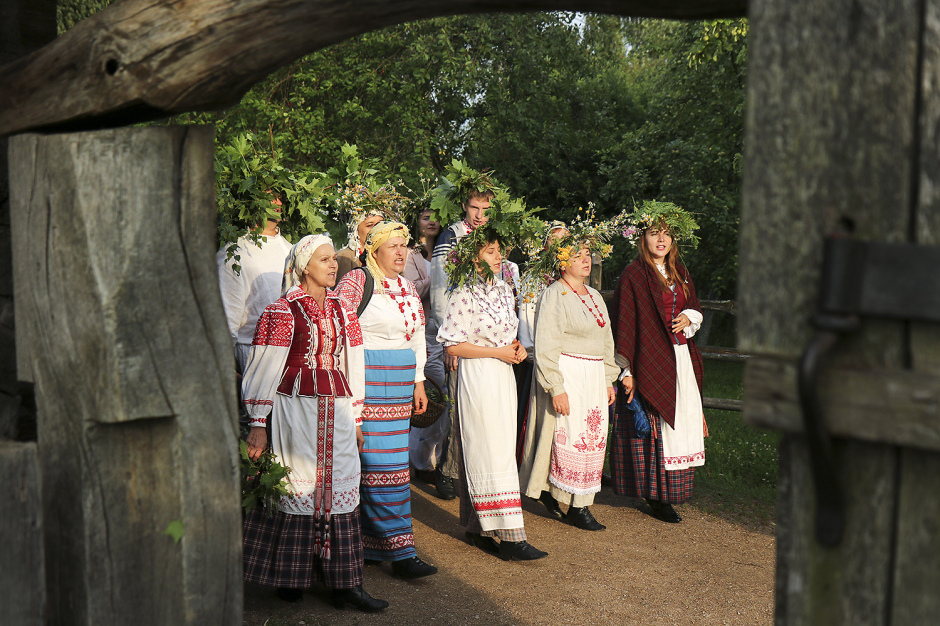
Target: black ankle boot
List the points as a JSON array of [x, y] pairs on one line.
[[288, 594], [357, 597], [552, 505], [664, 511], [580, 517], [519, 551]]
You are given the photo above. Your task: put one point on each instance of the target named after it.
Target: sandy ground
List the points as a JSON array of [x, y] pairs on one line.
[[704, 570]]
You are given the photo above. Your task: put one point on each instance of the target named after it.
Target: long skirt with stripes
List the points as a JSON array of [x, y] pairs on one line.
[[637, 467], [385, 494], [279, 551]]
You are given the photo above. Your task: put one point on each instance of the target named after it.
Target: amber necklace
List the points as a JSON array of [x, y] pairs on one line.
[[598, 317]]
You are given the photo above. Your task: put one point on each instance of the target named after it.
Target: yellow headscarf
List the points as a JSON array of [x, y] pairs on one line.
[[380, 233]]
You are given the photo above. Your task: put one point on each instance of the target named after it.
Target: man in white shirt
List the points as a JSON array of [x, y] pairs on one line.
[[247, 292]]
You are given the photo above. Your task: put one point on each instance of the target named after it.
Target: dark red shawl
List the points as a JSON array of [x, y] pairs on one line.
[[642, 336]]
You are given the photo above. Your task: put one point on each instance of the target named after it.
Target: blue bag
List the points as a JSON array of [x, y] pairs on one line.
[[641, 424]]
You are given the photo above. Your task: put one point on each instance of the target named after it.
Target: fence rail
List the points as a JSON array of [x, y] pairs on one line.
[[711, 352]]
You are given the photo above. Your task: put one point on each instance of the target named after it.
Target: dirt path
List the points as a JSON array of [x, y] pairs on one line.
[[639, 571]]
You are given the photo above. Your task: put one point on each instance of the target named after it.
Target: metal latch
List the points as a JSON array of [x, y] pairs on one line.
[[859, 279]]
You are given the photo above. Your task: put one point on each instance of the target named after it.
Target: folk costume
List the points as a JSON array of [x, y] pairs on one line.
[[247, 292], [483, 314], [393, 328], [304, 384], [668, 375], [574, 348]]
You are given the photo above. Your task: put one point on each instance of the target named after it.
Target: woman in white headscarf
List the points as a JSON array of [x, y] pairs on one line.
[[303, 388], [359, 226]]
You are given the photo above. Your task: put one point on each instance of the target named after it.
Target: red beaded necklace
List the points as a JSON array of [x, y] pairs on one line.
[[598, 317], [409, 332]]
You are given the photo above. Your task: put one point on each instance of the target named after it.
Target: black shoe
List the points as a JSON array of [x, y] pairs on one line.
[[552, 505], [580, 517], [444, 485], [663, 511], [519, 551], [371, 561], [487, 544], [357, 597], [412, 568], [288, 594]]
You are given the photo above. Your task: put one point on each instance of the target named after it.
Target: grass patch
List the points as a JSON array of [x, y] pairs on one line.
[[739, 478]]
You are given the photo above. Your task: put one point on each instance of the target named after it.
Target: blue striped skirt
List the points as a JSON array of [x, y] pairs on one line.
[[385, 494]]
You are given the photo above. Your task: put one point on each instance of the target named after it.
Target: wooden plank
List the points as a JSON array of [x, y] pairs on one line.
[[118, 303], [22, 576], [723, 404], [723, 354], [830, 130], [849, 584], [917, 555], [897, 407], [146, 59], [25, 26]]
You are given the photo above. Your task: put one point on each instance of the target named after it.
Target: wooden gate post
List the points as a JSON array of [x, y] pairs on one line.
[[120, 326], [841, 137]]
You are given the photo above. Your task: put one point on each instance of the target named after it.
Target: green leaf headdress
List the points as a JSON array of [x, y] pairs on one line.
[[458, 182], [650, 213], [352, 191], [509, 221]]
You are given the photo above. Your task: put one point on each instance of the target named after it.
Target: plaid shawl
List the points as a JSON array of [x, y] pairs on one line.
[[642, 336]]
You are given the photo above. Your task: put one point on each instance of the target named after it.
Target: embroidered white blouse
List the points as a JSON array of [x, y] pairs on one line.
[[482, 314]]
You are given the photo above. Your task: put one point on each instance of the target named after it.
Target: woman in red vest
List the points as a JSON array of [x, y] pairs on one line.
[[658, 313]]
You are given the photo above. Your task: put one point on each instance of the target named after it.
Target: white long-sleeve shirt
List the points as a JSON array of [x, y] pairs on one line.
[[247, 293]]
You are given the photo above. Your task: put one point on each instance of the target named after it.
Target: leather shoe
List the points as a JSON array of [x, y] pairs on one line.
[[444, 485], [487, 544], [412, 568], [288, 594], [519, 551], [580, 517], [552, 505], [357, 597], [663, 511]]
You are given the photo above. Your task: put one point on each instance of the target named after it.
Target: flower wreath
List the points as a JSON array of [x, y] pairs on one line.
[[546, 264], [650, 213]]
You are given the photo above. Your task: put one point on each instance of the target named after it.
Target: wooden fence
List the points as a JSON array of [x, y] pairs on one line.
[[711, 352]]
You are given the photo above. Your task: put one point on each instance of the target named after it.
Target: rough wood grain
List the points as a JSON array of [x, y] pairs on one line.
[[25, 26], [830, 130], [896, 407], [917, 553], [145, 59], [22, 576], [119, 307]]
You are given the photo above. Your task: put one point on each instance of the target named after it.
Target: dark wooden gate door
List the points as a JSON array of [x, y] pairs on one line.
[[842, 128]]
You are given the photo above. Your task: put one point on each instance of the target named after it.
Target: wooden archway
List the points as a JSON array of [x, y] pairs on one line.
[[843, 107]]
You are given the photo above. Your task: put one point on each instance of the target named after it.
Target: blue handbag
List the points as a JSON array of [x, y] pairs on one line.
[[641, 423]]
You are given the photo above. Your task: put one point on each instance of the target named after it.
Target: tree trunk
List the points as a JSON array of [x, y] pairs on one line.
[[120, 325]]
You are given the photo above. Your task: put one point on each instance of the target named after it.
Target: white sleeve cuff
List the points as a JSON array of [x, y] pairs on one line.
[[695, 319]]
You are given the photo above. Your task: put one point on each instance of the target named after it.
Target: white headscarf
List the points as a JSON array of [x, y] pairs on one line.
[[298, 258], [354, 244]]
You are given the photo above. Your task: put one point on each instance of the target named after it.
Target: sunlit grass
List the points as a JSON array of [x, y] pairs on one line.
[[739, 478]]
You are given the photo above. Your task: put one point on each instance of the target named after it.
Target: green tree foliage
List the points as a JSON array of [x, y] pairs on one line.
[[690, 78]]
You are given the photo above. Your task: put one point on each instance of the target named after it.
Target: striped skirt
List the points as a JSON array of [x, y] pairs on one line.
[[385, 494], [637, 466], [279, 552]]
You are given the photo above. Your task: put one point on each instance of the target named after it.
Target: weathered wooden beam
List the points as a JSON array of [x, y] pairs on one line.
[[144, 59], [832, 131], [895, 407], [120, 322], [22, 575], [723, 354], [723, 404]]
